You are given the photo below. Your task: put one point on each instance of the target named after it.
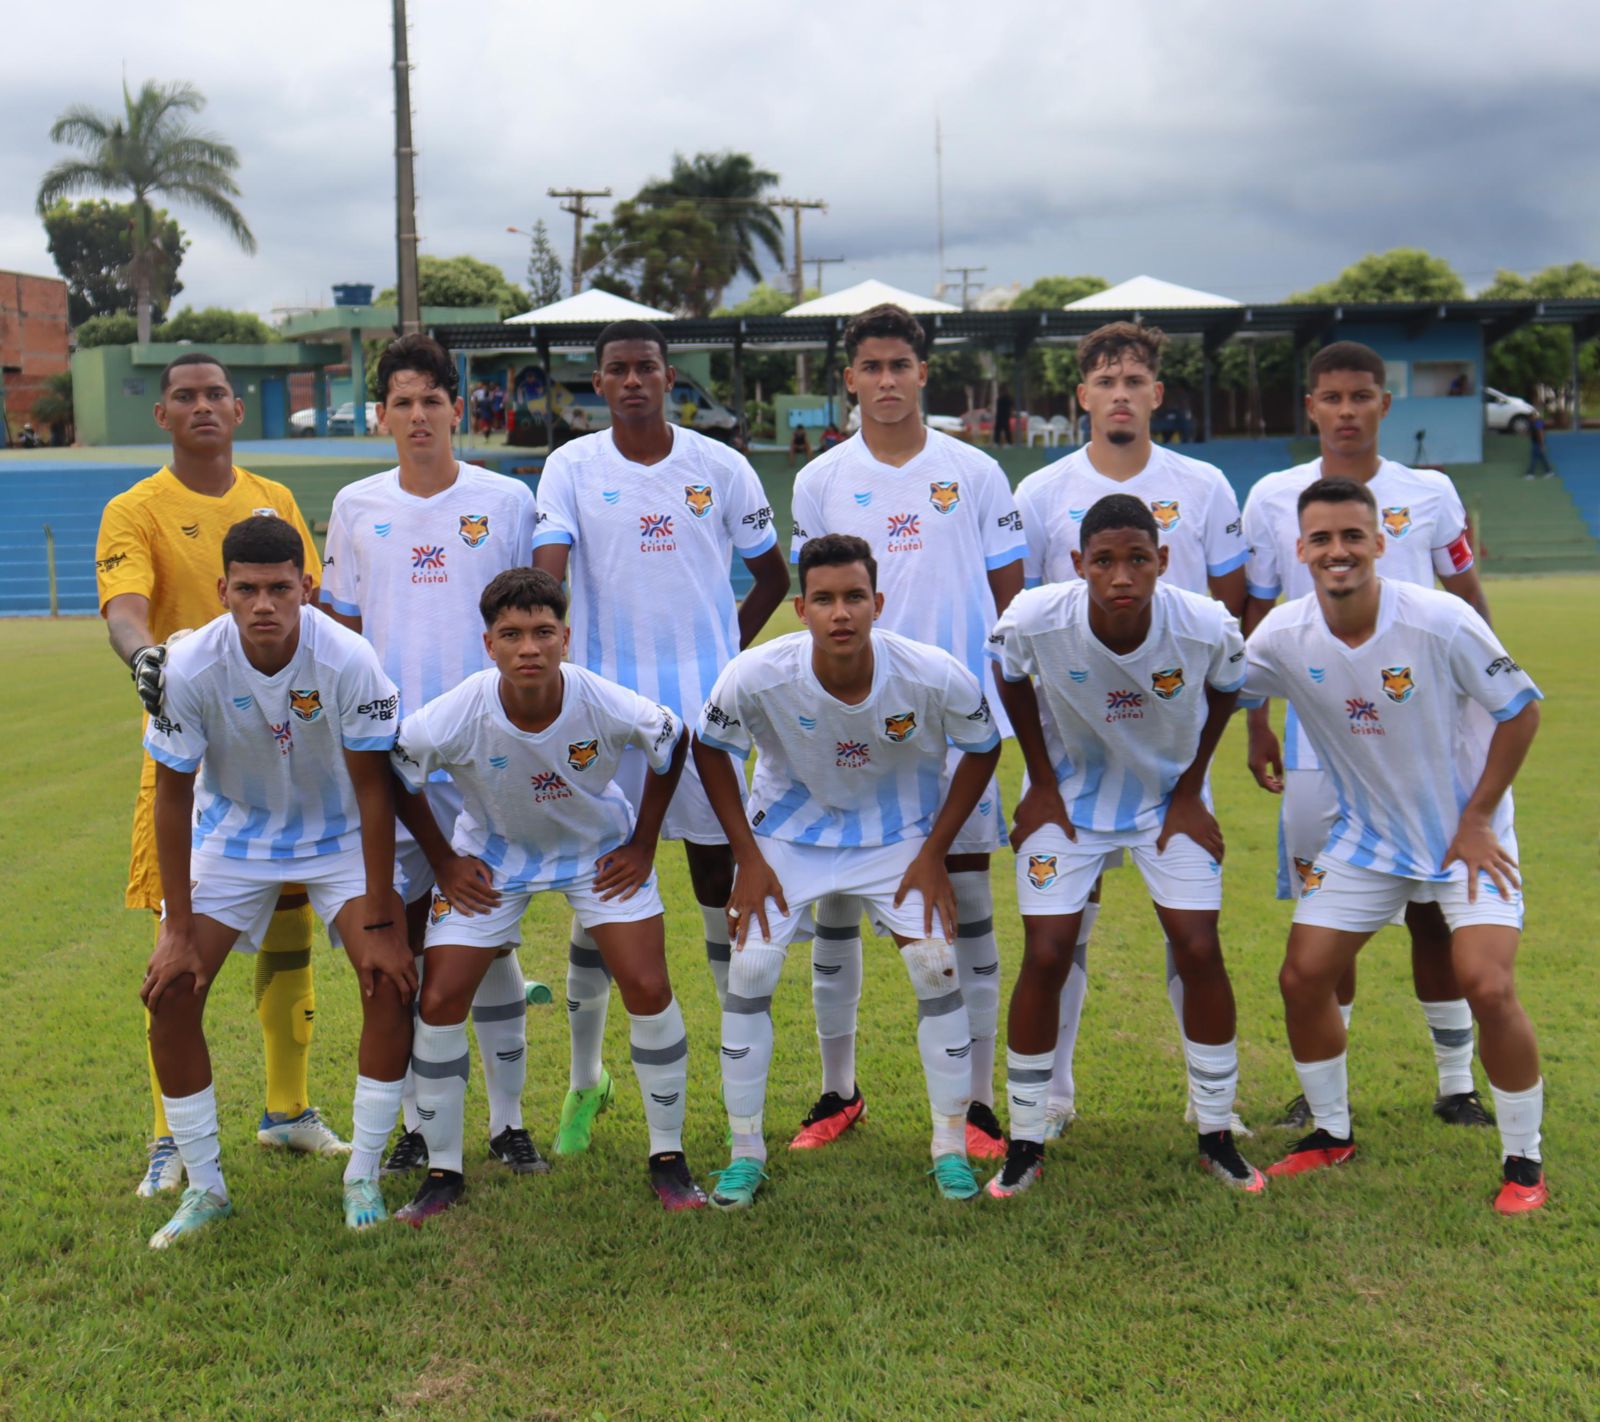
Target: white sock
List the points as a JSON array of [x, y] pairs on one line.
[[588, 996], [1520, 1115], [661, 1062], [193, 1123], [1063, 1088], [372, 1114], [1345, 1009], [1327, 1091], [717, 948], [978, 963], [836, 972], [1174, 986], [408, 1084], [439, 1063], [1450, 1026], [747, 1042], [500, 1022], [1213, 1082], [943, 1037], [1027, 1090], [949, 1134]]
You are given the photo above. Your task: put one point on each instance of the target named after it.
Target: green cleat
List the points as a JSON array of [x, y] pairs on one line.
[[954, 1177], [737, 1183], [198, 1209], [363, 1204], [577, 1115]]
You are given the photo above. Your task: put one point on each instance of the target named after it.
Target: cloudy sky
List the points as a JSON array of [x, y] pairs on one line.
[[1246, 148]]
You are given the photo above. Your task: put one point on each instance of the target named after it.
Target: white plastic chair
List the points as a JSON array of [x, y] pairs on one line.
[[1041, 430]]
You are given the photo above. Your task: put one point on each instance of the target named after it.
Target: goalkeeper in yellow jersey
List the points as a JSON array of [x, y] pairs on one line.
[[156, 562]]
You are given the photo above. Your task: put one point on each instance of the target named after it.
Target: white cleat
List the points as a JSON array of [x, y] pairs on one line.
[[1235, 1125], [165, 1171], [307, 1133], [1057, 1117]]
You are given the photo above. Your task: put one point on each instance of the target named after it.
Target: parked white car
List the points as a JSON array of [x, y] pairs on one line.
[[340, 422], [1506, 413]]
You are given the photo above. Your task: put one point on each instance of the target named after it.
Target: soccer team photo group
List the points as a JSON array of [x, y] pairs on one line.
[[474, 694]]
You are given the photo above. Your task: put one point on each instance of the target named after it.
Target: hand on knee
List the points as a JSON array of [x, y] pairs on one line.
[[754, 970]]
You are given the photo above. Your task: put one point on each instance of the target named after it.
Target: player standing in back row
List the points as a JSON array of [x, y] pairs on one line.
[[940, 518], [646, 516], [1197, 518], [409, 552]]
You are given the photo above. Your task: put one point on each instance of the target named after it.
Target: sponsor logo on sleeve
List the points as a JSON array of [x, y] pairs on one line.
[[110, 563], [983, 715], [1012, 520], [759, 519], [800, 533], [385, 708], [307, 704], [668, 731], [1235, 527], [716, 716], [1500, 664], [401, 754], [166, 726]]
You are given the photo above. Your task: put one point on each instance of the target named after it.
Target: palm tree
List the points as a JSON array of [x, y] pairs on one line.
[[149, 148], [728, 188]]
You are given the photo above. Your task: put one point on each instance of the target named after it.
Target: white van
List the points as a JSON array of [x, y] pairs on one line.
[[1506, 413]]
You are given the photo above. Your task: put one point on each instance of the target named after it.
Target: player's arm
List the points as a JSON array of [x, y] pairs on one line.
[[771, 573], [128, 627], [1042, 804], [927, 873], [1004, 584], [176, 953], [1229, 589], [464, 880], [552, 558], [1186, 810], [1474, 843], [1264, 755], [344, 619], [381, 950], [623, 872], [754, 882], [1469, 588]]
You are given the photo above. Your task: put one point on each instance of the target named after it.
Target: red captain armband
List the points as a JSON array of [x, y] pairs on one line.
[[1460, 552]]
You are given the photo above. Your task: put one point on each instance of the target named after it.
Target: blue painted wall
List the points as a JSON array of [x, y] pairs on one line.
[[1454, 424]]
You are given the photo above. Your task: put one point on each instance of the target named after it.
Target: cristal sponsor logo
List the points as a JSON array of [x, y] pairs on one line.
[[655, 533], [109, 564], [385, 708], [549, 786], [1363, 717], [611, 495], [944, 495], [1124, 706], [1398, 685], [1167, 683], [905, 533], [1500, 664], [244, 703], [851, 755], [283, 736], [1397, 521], [474, 529], [1317, 674], [307, 704], [189, 530], [807, 723], [864, 499], [499, 762], [427, 564], [382, 529]]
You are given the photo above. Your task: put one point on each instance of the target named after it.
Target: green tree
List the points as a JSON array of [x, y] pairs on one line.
[[91, 244], [463, 281], [669, 257], [1401, 274], [1050, 293], [217, 326], [149, 148], [764, 300], [54, 406], [729, 190], [547, 277], [772, 372], [1541, 355], [114, 328]]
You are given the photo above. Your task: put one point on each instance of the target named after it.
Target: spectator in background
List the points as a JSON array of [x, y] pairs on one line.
[[28, 439], [497, 407], [799, 443], [830, 436], [1536, 450], [1002, 418]]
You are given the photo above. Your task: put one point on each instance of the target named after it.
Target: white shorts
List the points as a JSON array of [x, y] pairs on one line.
[[243, 893], [502, 926], [984, 830], [1055, 874], [872, 874], [413, 875], [689, 816], [1358, 900]]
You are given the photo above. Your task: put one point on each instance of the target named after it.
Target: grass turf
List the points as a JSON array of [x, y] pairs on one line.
[[1127, 1282]]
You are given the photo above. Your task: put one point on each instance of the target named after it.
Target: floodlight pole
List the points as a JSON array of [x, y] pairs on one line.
[[405, 195], [576, 207]]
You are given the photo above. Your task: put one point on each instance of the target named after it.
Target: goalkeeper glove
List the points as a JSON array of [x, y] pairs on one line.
[[149, 666]]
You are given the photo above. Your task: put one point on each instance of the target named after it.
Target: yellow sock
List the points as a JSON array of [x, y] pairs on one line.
[[159, 1126], [286, 1006]]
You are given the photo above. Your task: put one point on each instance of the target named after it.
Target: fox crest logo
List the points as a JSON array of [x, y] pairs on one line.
[[1042, 870], [439, 909], [1397, 521], [1166, 514], [474, 529], [900, 727], [582, 754], [1167, 684], [944, 496], [306, 705], [698, 498], [1311, 876], [1397, 684]]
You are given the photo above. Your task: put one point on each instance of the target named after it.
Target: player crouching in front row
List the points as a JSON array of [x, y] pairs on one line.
[[288, 720], [850, 727], [533, 743], [1138, 679]]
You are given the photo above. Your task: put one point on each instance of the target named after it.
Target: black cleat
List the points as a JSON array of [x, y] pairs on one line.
[[514, 1147], [985, 1139], [1220, 1157], [410, 1153], [1024, 1165], [1462, 1109], [1296, 1116], [674, 1185], [440, 1189]]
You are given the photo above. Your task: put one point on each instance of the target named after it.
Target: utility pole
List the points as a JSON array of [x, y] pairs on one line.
[[819, 263], [966, 280], [797, 206], [576, 207], [938, 197], [405, 194]]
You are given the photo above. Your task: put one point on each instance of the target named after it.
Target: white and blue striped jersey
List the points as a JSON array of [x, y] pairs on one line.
[[1401, 723], [1120, 729], [938, 525], [845, 776], [1424, 532], [652, 546], [270, 749], [537, 808], [412, 570], [1195, 510]]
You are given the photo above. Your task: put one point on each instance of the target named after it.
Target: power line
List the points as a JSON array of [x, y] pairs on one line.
[[405, 189], [579, 211], [819, 263], [966, 281]]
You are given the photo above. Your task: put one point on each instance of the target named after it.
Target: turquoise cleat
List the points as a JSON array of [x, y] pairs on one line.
[[954, 1177], [198, 1209], [737, 1183], [363, 1204]]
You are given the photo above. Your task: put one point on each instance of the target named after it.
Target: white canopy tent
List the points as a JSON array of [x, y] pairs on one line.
[[1148, 293], [590, 305], [866, 294]]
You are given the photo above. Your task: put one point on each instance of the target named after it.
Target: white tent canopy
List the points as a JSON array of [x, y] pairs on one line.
[[863, 295], [590, 305], [1148, 293]]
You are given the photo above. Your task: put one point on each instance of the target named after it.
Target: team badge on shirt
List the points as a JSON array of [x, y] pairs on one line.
[[944, 496], [439, 909], [306, 705], [263, 513], [900, 727], [1311, 876], [1166, 514], [582, 754], [851, 755], [698, 499], [1167, 684], [474, 529], [1397, 521], [1042, 870], [1398, 685]]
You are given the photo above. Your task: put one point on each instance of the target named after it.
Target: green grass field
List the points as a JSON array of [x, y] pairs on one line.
[[1126, 1284]]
